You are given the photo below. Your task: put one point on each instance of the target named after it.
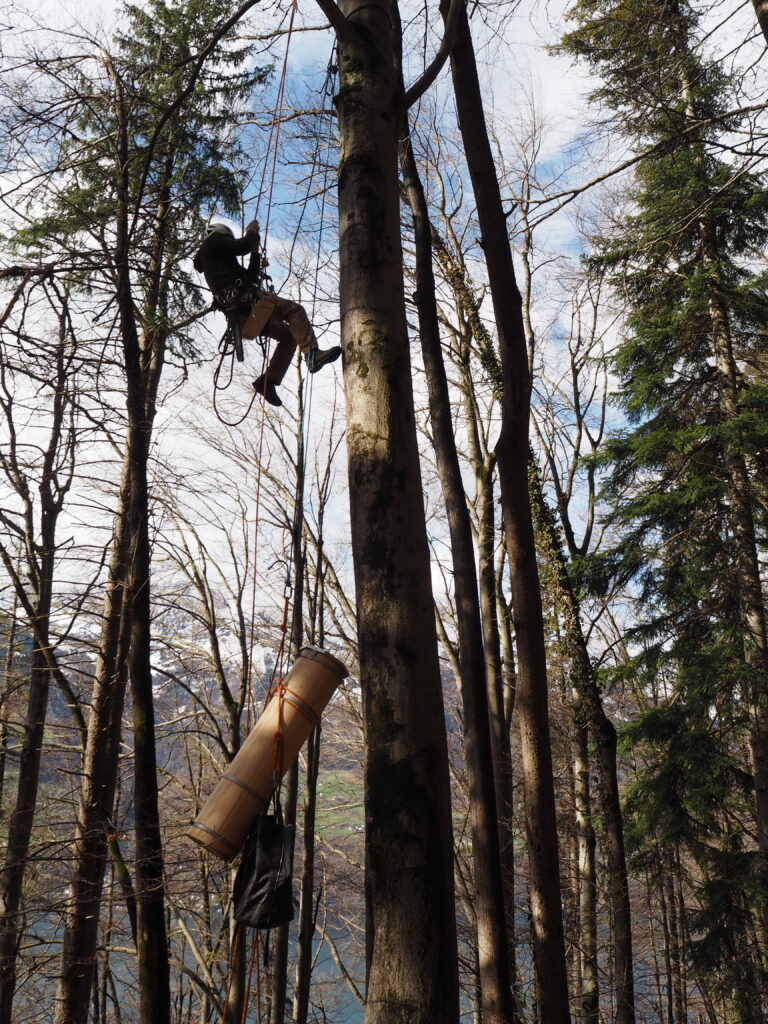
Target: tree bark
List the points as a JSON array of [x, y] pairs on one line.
[[307, 903], [761, 12], [142, 368], [20, 827], [589, 996], [483, 465], [493, 957], [306, 928], [411, 934], [512, 454], [9, 639]]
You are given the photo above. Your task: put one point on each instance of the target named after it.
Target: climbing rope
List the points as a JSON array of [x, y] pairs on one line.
[[305, 408], [277, 689], [274, 131], [271, 150], [224, 351]]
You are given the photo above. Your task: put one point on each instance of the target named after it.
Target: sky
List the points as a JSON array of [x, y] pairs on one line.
[[519, 75]]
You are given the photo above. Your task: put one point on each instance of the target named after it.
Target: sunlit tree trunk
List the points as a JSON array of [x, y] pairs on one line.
[[587, 878], [493, 958], [411, 935], [512, 454], [483, 465]]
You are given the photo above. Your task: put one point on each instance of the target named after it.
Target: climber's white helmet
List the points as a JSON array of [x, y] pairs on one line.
[[219, 229]]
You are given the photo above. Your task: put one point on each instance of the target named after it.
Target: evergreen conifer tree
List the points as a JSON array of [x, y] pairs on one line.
[[134, 144], [683, 471]]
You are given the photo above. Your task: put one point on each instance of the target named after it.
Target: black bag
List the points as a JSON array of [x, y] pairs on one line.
[[263, 896]]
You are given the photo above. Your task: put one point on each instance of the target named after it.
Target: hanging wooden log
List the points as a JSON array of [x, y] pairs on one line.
[[244, 790]]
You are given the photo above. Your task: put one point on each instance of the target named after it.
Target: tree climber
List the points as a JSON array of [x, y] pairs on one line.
[[235, 290]]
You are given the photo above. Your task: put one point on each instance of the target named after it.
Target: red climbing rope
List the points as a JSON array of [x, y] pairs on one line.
[[278, 669], [276, 689], [274, 134], [274, 131]]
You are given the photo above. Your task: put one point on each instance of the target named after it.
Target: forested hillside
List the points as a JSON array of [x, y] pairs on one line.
[[526, 509]]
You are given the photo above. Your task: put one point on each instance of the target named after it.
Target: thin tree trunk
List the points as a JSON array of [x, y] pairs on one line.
[[10, 651], [20, 829], [41, 557], [569, 850], [307, 902], [676, 1010], [589, 706], [654, 952], [585, 834], [97, 795], [669, 1013], [281, 934], [411, 934], [483, 465], [235, 989], [682, 929], [279, 989], [493, 956], [512, 454]]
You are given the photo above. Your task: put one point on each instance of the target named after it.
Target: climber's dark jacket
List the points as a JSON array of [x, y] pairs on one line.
[[217, 260]]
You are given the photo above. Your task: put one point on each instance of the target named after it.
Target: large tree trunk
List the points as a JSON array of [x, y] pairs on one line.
[[95, 818], [493, 957], [411, 935], [151, 940], [512, 454], [761, 12], [144, 362]]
